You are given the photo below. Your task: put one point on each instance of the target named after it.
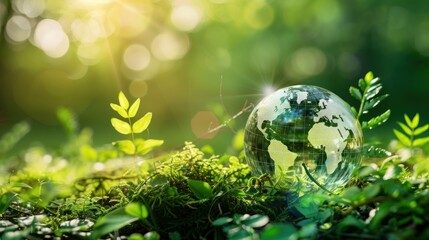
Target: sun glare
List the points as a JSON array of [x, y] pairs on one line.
[[268, 89]]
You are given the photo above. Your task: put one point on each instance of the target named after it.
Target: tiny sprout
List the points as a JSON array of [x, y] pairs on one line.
[[131, 127]]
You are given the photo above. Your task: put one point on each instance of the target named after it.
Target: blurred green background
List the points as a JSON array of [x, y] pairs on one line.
[[196, 63]]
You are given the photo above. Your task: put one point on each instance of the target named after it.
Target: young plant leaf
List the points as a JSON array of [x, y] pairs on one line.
[[369, 76], [279, 231], [137, 210], [123, 101], [408, 120], [373, 102], [421, 130], [420, 141], [5, 200], [134, 108], [355, 93], [402, 138], [121, 126], [145, 146], [126, 146], [415, 121], [373, 91], [222, 221], [362, 84], [406, 129], [112, 221], [119, 110], [376, 152], [142, 123], [256, 221], [374, 122], [202, 190]]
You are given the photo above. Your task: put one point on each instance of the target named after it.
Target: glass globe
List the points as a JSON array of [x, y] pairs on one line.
[[303, 136]]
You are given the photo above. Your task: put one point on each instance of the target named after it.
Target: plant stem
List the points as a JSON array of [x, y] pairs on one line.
[[132, 137], [362, 103]]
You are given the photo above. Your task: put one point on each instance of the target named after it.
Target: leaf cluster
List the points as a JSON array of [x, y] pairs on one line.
[[368, 94], [129, 127], [410, 132]]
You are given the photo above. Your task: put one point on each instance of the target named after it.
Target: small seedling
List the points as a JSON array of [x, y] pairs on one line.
[[411, 130], [130, 127], [368, 95]]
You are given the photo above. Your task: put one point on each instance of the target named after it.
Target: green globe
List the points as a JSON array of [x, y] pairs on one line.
[[304, 137]]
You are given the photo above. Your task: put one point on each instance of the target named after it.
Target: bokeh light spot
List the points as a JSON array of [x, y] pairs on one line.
[[258, 14], [130, 21], [169, 46], [18, 28], [31, 8], [348, 63], [138, 89], [51, 38], [422, 39], [186, 18], [203, 124], [86, 31], [136, 57], [308, 61], [89, 54]]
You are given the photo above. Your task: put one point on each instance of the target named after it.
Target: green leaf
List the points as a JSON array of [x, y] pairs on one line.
[[134, 108], [137, 210], [373, 102], [145, 146], [421, 130], [112, 221], [372, 190], [68, 120], [123, 101], [362, 84], [374, 81], [377, 121], [373, 91], [368, 77], [355, 93], [119, 110], [279, 231], [126, 146], [222, 221], [136, 236], [408, 120], [152, 236], [351, 194], [5, 200], [202, 190], [256, 221], [415, 121], [20, 185], [402, 138], [142, 123], [376, 152], [406, 129], [350, 221], [420, 141], [121, 126]]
